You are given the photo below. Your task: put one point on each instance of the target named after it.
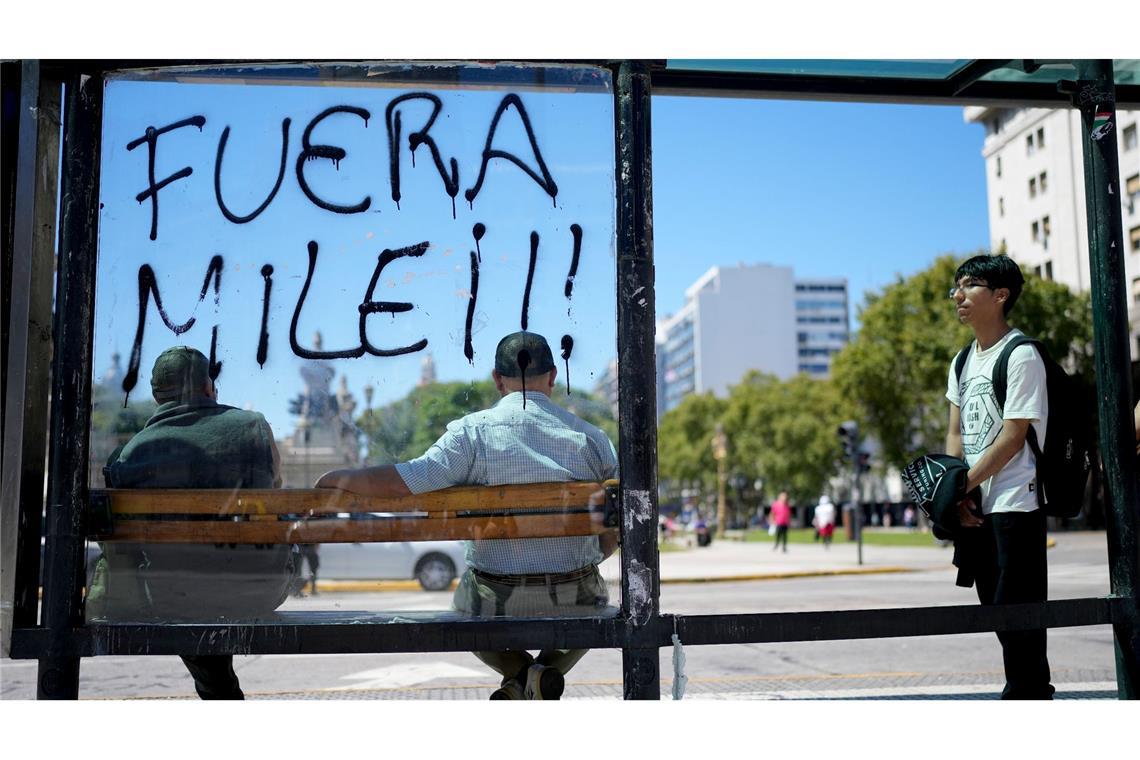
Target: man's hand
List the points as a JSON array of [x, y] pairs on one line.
[[966, 516], [331, 479], [383, 481]]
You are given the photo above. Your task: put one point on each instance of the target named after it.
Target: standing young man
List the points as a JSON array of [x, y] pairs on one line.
[[1010, 560]]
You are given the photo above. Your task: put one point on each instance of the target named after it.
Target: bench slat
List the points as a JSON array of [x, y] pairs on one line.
[[324, 501], [356, 531]]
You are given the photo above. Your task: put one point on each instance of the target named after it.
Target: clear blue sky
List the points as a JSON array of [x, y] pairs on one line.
[[862, 191], [857, 191]]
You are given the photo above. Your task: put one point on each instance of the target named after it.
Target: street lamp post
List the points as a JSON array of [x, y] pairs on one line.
[[720, 453]]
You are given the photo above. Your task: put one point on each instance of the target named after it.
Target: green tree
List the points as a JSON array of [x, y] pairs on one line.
[[784, 433], [893, 373], [406, 428], [684, 441]]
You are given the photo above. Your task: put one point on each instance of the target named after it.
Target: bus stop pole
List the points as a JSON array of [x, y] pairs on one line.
[[71, 388], [1093, 94], [637, 386]]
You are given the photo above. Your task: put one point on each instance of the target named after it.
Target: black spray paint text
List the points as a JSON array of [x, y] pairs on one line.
[[148, 289], [512, 105]]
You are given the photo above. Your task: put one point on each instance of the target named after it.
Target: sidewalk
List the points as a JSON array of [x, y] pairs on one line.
[[729, 560]]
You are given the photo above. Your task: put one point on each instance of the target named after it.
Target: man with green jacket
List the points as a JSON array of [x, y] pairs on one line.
[[192, 441]]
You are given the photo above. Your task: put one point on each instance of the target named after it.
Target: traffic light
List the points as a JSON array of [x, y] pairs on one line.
[[849, 436]]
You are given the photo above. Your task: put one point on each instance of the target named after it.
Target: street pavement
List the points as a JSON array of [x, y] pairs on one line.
[[726, 577]]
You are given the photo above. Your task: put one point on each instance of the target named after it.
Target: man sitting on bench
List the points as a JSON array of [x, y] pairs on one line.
[[192, 441], [524, 438]]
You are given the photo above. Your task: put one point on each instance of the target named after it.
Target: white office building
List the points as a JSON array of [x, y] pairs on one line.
[[1036, 196], [749, 317], [822, 326]]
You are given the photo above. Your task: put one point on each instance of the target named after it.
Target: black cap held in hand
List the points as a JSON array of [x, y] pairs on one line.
[[523, 352], [937, 483]]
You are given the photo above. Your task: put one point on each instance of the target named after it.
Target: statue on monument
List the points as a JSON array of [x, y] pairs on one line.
[[316, 404], [326, 435]]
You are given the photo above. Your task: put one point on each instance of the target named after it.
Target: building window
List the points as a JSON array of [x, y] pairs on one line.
[[1004, 248], [1041, 182], [1032, 187], [995, 126], [999, 162], [1136, 290], [1048, 270], [1036, 229], [1001, 206], [1029, 145], [1129, 142], [1134, 237], [1045, 232], [1041, 139], [1132, 192]]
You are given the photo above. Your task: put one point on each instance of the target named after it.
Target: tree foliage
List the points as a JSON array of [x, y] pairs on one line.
[[684, 440], [782, 433], [785, 433], [893, 374], [405, 429]]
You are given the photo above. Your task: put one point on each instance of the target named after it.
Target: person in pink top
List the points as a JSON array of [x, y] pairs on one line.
[[781, 516]]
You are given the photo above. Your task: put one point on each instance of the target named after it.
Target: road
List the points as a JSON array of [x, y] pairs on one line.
[[961, 666]]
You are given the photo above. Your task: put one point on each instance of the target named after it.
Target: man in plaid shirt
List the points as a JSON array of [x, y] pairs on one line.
[[524, 438]]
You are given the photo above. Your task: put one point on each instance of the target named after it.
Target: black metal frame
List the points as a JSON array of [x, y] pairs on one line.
[[639, 629]]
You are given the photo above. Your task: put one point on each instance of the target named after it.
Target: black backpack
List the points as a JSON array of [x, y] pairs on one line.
[[1063, 468]]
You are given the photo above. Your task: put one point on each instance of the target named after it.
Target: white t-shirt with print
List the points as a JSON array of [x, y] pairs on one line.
[[1014, 487]]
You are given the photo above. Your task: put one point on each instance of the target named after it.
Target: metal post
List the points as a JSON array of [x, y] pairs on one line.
[[1094, 96], [720, 453], [637, 395], [28, 294], [856, 498], [71, 387]]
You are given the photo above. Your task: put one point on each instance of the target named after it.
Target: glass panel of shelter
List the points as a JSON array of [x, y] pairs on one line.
[[344, 257]]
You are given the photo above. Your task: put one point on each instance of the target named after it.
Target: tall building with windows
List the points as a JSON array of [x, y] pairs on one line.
[[822, 326], [748, 317], [1036, 196]]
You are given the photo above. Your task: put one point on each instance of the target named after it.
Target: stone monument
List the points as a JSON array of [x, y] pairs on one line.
[[326, 436]]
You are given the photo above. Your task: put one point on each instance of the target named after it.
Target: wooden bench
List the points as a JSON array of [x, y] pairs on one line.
[[316, 515]]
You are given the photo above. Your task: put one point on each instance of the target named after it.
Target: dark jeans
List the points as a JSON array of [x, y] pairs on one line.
[[214, 676], [1012, 570], [781, 535]]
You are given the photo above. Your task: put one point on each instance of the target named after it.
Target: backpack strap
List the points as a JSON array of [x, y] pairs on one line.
[[960, 361], [1001, 377]]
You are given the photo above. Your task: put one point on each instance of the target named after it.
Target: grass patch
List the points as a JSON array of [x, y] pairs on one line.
[[877, 537]]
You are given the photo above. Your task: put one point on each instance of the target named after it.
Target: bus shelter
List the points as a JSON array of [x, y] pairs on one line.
[[118, 205]]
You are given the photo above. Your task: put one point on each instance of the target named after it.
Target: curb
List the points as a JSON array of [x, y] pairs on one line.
[[794, 574], [335, 586]]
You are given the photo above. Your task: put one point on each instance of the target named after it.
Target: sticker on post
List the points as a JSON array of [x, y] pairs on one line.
[[1102, 124]]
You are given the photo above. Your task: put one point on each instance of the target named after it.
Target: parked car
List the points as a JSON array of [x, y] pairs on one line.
[[435, 564]]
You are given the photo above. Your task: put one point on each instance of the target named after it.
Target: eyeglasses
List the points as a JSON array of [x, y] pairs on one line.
[[972, 284]]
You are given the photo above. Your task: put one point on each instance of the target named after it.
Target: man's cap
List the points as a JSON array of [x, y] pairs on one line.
[[937, 483], [179, 372], [523, 354]]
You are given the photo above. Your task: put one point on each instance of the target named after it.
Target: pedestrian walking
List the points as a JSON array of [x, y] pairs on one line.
[[824, 520], [782, 518]]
